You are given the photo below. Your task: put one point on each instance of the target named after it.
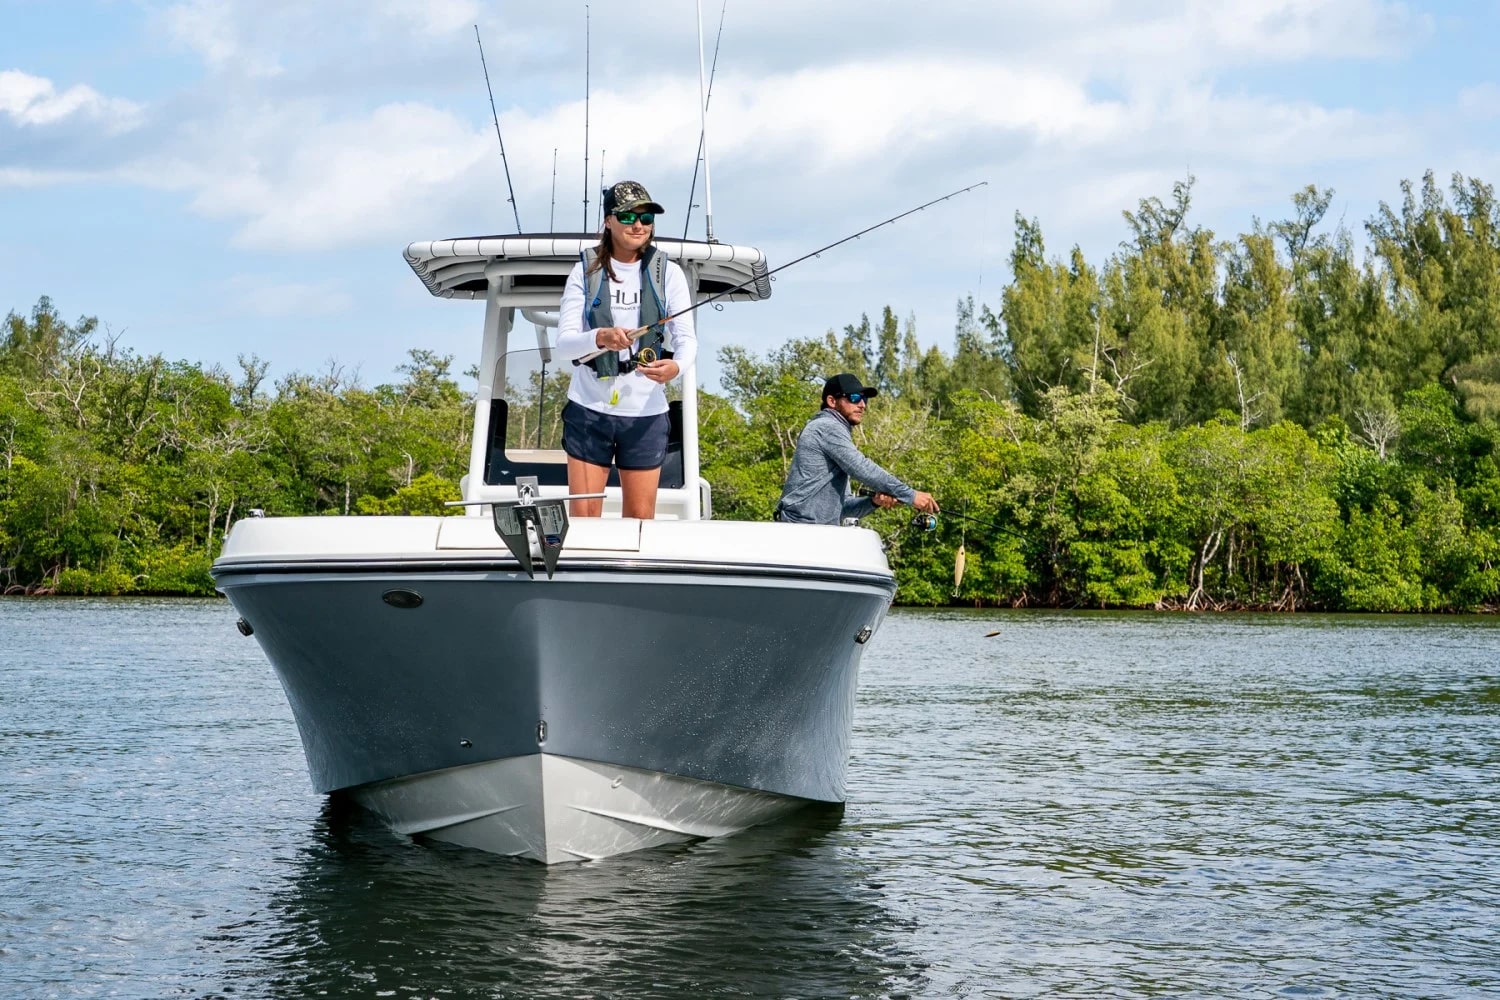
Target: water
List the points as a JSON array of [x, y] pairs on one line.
[[1082, 805]]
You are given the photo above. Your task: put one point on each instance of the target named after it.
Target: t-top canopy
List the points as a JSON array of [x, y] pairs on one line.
[[537, 266]]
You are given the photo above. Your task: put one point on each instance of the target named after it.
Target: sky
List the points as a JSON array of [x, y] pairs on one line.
[[218, 179]]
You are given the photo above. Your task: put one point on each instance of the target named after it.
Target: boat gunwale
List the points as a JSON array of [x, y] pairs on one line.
[[489, 562]]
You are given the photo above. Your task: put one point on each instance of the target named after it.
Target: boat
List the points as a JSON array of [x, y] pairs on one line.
[[563, 689]]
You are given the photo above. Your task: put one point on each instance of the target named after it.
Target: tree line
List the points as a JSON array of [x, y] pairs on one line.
[[1286, 419]]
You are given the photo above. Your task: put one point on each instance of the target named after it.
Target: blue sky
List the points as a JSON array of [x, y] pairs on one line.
[[213, 179]]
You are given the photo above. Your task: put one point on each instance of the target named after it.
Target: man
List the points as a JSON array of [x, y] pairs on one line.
[[817, 487]]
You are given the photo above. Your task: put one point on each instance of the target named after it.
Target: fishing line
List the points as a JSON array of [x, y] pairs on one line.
[[929, 522], [639, 331]]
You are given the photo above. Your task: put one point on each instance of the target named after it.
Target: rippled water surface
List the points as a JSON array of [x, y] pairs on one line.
[[1081, 805]]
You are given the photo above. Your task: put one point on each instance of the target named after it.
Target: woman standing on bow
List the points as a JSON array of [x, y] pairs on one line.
[[617, 402]]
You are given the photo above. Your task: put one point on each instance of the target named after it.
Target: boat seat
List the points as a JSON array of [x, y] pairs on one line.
[[550, 466]]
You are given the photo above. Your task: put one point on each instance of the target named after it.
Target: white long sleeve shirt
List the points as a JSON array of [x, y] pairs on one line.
[[631, 395]]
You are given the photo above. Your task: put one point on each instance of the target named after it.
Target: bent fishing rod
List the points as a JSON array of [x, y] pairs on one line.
[[929, 522], [639, 331]]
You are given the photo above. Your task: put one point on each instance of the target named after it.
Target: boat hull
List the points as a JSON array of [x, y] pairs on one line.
[[554, 809], [706, 696]]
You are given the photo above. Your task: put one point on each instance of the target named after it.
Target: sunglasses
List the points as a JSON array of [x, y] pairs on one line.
[[631, 218], [855, 397]]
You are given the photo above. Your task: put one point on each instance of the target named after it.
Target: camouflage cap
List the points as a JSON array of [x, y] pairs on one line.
[[629, 196]]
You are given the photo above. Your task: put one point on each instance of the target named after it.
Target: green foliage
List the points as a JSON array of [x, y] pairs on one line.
[[121, 473], [1277, 420], [1266, 422], [428, 494], [1377, 564], [178, 569]]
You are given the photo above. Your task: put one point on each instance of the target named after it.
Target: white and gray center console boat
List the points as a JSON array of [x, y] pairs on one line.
[[642, 682]]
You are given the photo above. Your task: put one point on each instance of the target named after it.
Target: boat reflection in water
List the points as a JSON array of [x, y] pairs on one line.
[[563, 690], [781, 910]]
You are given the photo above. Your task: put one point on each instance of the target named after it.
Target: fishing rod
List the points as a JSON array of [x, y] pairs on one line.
[[552, 216], [636, 333], [496, 115], [587, 59], [601, 187], [929, 522]]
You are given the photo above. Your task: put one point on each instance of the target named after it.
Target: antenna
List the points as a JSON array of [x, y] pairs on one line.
[[708, 198], [496, 115], [712, 71], [585, 117], [552, 214]]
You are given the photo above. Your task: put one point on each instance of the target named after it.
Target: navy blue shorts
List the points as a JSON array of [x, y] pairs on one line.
[[604, 439]]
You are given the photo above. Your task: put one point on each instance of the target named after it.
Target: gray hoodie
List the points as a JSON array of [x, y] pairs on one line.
[[817, 486]]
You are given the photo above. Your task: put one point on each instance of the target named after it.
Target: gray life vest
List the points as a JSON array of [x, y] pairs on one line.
[[597, 312]]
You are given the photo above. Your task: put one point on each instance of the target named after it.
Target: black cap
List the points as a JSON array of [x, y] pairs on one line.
[[843, 384]]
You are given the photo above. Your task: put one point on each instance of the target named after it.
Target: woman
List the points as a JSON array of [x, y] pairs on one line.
[[617, 401]]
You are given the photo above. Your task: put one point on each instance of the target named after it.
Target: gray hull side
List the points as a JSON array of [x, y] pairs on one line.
[[739, 680]]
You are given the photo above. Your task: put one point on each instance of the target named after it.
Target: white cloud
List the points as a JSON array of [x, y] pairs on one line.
[[36, 102], [300, 181], [1132, 41], [364, 178], [1292, 30], [433, 17], [211, 28], [269, 40], [305, 174]]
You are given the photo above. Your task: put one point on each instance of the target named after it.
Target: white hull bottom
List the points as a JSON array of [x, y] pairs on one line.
[[553, 809]]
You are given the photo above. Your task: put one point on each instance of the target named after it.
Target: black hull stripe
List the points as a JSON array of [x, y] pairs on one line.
[[223, 571]]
